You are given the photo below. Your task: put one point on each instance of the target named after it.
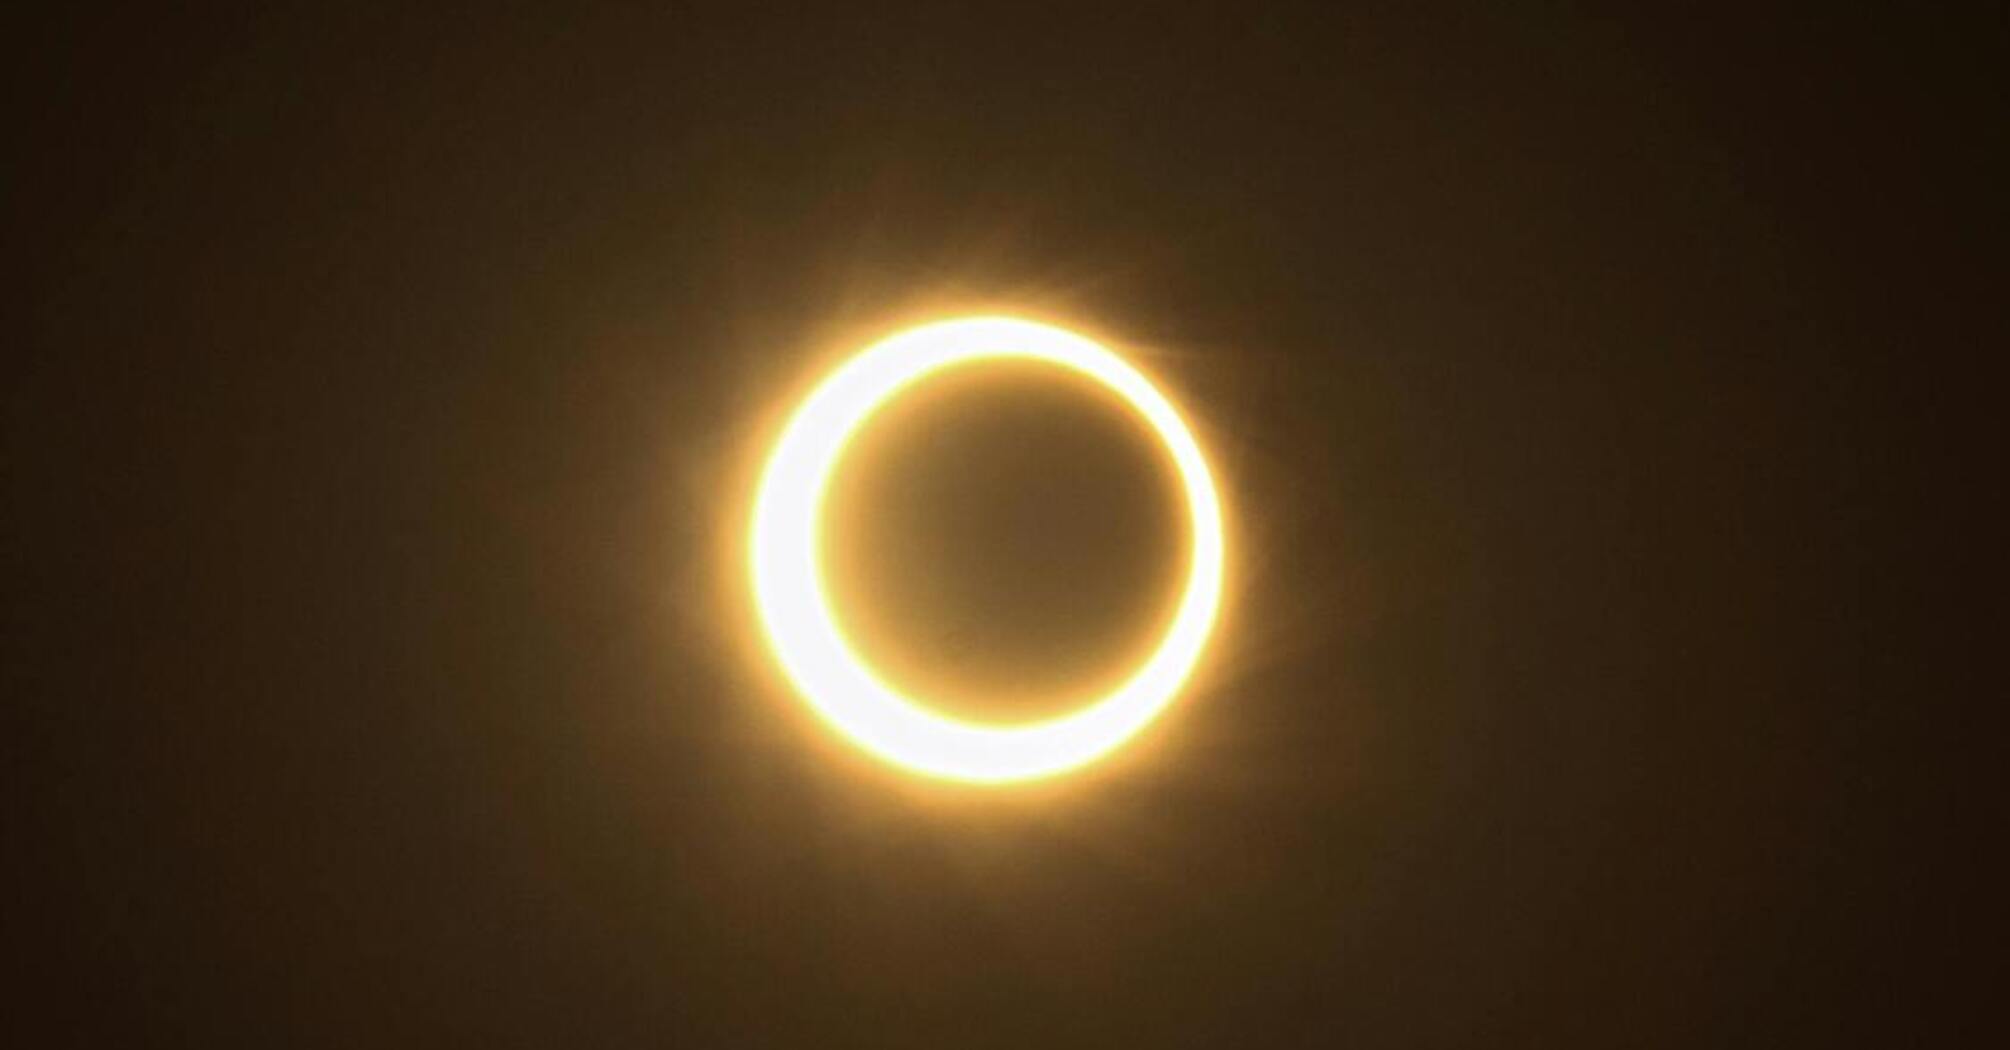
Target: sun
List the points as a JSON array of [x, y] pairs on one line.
[[795, 609]]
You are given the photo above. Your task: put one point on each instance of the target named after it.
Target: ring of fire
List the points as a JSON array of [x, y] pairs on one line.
[[796, 612]]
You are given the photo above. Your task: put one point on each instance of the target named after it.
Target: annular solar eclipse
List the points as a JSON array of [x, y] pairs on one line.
[[795, 605]]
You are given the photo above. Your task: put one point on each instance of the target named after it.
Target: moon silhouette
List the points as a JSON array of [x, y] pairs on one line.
[[796, 611]]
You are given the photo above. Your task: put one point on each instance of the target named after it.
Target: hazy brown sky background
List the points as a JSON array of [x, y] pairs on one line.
[[390, 381]]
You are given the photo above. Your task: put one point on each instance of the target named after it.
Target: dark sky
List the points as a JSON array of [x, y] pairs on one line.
[[380, 663]]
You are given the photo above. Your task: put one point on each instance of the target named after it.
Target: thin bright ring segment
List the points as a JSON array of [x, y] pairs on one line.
[[795, 608]]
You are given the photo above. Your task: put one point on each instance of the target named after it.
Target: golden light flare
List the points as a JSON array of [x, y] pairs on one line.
[[795, 608]]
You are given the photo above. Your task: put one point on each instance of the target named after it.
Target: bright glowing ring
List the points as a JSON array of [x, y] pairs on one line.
[[805, 635]]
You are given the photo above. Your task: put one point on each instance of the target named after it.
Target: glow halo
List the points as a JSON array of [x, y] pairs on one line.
[[796, 613]]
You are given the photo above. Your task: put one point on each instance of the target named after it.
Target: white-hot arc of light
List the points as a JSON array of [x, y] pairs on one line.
[[804, 633]]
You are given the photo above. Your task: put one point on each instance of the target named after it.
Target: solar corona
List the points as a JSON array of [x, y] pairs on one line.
[[802, 627]]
